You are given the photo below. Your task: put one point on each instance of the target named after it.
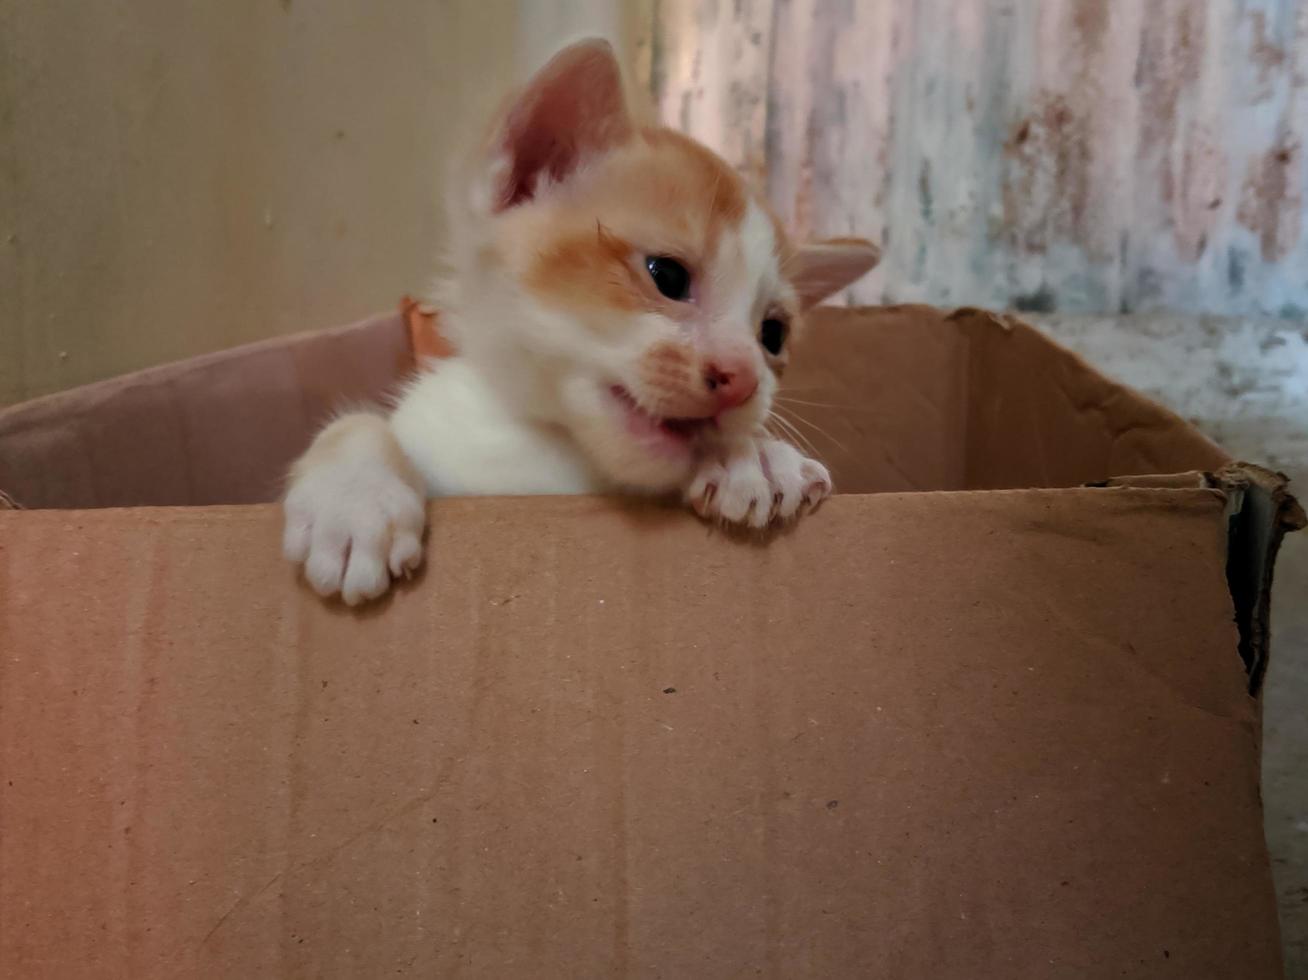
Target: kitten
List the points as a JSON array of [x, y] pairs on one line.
[[622, 307]]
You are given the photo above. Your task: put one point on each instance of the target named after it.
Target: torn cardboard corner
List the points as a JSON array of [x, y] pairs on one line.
[[999, 731], [1261, 512]]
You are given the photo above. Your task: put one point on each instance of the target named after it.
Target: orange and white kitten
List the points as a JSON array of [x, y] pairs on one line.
[[622, 307]]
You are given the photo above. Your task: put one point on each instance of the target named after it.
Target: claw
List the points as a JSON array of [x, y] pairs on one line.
[[702, 504]]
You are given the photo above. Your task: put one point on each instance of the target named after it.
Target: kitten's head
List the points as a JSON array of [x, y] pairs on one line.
[[622, 281]]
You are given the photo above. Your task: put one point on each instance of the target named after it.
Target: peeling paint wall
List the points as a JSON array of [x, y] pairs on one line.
[[1078, 155]]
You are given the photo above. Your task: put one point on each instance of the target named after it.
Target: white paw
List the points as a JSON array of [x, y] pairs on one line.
[[764, 482], [353, 525]]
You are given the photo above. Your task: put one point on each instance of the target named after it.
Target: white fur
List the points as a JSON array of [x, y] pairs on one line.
[[758, 251], [355, 512], [757, 483], [465, 439]]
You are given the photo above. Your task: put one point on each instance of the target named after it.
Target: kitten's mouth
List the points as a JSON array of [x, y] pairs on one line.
[[674, 433]]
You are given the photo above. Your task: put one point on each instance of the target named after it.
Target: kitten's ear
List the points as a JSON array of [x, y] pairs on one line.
[[571, 109], [819, 269]]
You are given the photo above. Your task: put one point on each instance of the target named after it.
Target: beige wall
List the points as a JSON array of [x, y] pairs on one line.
[[180, 177]]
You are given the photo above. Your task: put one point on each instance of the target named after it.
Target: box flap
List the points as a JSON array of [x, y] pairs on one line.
[[215, 429], [894, 398], [1040, 415], [916, 398], [945, 735], [880, 396]]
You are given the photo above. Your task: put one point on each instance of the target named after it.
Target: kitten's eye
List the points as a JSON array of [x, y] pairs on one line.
[[670, 277], [772, 335]]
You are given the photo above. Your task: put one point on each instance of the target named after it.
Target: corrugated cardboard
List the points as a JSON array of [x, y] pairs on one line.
[[216, 429], [975, 733]]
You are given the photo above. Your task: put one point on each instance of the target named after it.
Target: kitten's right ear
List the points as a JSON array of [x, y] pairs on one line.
[[573, 108], [819, 269]]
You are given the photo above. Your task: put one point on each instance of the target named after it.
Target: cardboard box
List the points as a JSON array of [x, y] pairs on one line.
[[1008, 728]]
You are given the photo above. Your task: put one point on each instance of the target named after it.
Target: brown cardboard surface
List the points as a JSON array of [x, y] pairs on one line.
[[967, 734], [915, 398], [215, 429], [940, 735], [901, 398], [1260, 511]]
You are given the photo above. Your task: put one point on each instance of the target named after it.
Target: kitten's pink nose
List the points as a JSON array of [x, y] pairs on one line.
[[731, 380]]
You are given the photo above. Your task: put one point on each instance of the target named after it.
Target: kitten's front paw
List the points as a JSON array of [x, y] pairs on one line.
[[765, 481], [353, 528]]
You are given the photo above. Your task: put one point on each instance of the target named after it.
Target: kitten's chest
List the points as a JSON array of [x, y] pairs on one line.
[[462, 438]]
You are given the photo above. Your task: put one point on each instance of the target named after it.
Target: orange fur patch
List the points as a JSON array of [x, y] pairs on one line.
[[698, 168], [660, 193], [672, 380], [593, 268], [425, 337]]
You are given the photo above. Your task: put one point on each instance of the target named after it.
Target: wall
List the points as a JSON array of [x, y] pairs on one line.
[[1080, 155], [176, 178]]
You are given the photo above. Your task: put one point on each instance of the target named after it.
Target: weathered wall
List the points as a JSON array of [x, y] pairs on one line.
[[176, 178], [1085, 155]]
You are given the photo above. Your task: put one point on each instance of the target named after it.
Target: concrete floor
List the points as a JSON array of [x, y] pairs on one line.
[[1245, 383]]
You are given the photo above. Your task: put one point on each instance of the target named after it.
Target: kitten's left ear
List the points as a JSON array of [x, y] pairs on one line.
[[572, 109], [820, 269]]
